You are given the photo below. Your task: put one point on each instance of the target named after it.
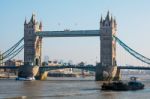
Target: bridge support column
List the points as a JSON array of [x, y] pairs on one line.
[[41, 75], [99, 72], [26, 71], [107, 73], [118, 75], [107, 69], [32, 48]]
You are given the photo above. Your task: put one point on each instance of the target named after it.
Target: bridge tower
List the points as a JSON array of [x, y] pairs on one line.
[[32, 43], [32, 49], [107, 68]]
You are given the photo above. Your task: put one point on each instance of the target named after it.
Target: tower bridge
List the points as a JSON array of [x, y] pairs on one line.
[[33, 35]]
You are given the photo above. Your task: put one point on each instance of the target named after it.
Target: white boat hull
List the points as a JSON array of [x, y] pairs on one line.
[[26, 79]]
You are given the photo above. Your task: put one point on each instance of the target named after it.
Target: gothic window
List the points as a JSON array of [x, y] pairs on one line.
[[36, 61]]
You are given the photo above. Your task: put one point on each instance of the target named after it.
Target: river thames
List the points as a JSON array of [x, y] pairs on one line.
[[66, 88]]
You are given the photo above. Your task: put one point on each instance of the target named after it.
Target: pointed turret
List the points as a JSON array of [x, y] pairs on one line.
[[25, 22], [108, 16], [33, 18], [115, 21], [112, 21], [40, 26], [101, 21], [111, 18], [108, 22]]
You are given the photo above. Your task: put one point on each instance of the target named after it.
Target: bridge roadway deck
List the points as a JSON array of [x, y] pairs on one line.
[[9, 67], [89, 68], [134, 67], [79, 67], [68, 33]]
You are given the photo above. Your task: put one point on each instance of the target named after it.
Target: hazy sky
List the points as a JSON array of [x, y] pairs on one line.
[[133, 20]]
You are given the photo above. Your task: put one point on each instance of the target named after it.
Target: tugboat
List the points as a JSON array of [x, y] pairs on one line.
[[121, 86], [133, 84]]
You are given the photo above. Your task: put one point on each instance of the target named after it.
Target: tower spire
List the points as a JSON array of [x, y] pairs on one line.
[[115, 23], [108, 16], [33, 18], [111, 18], [101, 19], [40, 26], [25, 22]]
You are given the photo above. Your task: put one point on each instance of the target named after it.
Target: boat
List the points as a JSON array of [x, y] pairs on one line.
[[25, 79], [117, 86], [133, 84]]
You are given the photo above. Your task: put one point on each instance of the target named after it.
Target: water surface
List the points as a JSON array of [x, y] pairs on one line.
[[66, 88]]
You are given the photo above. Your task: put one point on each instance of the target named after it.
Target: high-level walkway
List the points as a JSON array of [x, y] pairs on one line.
[[68, 33]]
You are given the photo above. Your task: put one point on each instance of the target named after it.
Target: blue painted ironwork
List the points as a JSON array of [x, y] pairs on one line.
[[68, 33], [10, 50], [13, 51], [9, 67], [48, 68], [134, 67], [16, 52], [88, 68], [133, 52]]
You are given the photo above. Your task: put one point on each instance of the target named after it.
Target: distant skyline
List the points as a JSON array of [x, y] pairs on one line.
[[133, 25]]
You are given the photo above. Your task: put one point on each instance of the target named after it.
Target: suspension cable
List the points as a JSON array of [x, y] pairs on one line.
[[12, 52], [12, 48], [133, 52], [16, 52]]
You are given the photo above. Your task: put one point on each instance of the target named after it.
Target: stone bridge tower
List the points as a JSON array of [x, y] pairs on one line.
[[107, 68], [32, 43], [32, 49]]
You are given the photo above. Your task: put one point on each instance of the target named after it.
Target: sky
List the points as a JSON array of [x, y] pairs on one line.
[[133, 25]]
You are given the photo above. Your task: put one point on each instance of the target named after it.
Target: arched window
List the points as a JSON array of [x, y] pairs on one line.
[[37, 61]]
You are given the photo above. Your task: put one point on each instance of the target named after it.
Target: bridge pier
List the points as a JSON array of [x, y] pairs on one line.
[[118, 75], [27, 70], [107, 73], [32, 48], [42, 75]]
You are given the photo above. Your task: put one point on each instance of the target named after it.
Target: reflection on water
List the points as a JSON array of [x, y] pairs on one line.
[[66, 88]]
